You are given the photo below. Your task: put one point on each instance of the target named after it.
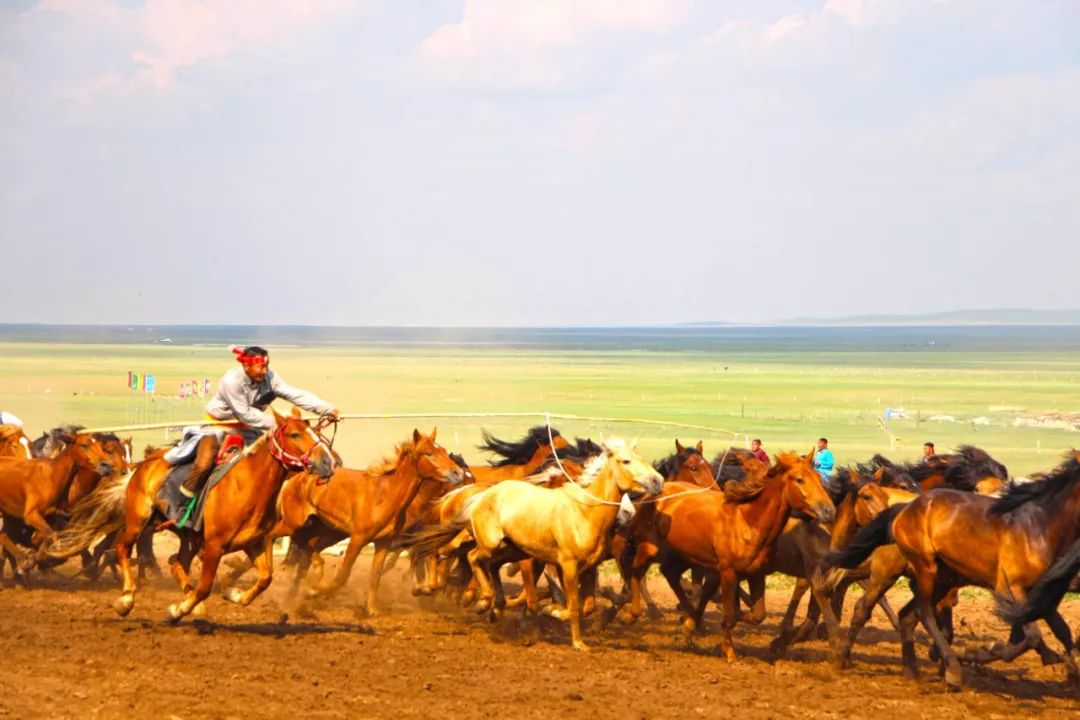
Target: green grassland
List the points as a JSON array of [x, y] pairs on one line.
[[787, 399]]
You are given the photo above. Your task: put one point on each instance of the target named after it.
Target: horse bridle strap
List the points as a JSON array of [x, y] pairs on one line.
[[289, 460]]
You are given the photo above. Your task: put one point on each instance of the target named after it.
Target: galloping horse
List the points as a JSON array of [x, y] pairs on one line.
[[360, 505], [31, 490], [239, 512], [732, 534], [565, 526], [951, 539]]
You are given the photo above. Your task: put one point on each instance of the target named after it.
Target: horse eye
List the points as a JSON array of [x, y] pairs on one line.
[[625, 462], [799, 481], [295, 436]]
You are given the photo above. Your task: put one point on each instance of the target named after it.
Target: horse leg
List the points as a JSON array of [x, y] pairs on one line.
[[480, 562], [573, 602], [589, 580], [382, 547], [1061, 631], [787, 634], [125, 541], [729, 586], [710, 581], [672, 570], [883, 576], [755, 600], [261, 554], [926, 595], [643, 557], [144, 545], [211, 558], [527, 596]]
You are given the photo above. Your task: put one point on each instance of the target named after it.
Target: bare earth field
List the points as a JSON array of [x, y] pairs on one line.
[[68, 655]]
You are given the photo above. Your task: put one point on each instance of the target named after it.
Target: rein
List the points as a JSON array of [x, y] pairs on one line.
[[300, 462]]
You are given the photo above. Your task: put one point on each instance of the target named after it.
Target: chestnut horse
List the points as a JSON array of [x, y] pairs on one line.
[[14, 443], [239, 512], [31, 490], [951, 539], [565, 526], [361, 505], [732, 534]]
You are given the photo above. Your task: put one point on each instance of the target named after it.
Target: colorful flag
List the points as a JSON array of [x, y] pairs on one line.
[[129, 379], [134, 381], [206, 386], [150, 383]]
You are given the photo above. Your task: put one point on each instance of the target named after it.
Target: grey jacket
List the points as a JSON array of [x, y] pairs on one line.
[[240, 398]]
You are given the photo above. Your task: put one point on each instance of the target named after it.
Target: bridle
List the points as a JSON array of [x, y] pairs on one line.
[[301, 462]]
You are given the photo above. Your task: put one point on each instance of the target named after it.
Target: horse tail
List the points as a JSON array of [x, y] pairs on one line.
[[99, 513], [428, 540], [869, 538], [1046, 594]]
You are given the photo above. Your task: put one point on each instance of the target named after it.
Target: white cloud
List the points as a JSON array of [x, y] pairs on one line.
[[508, 41], [170, 35]]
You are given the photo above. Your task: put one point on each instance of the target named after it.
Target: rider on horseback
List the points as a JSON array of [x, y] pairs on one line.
[[243, 395]]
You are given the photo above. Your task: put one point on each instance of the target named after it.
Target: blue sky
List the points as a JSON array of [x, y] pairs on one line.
[[532, 162]]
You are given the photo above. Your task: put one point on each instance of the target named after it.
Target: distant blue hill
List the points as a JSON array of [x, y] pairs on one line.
[[996, 316]]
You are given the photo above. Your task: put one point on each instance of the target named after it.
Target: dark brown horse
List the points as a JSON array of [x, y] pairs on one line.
[[951, 539]]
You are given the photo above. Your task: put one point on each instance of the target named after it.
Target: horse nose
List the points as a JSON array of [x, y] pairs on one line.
[[104, 468], [826, 512], [657, 485], [456, 477]]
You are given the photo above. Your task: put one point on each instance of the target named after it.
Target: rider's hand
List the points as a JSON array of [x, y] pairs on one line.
[[334, 414]]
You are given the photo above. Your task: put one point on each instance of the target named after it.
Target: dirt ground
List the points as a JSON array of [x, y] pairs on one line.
[[67, 654]]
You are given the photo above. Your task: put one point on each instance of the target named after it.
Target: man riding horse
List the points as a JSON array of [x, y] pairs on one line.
[[243, 395]]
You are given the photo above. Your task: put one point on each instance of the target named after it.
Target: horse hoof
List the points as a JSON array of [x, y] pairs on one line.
[[954, 679], [911, 673], [581, 647], [626, 617], [199, 610], [123, 605], [174, 614], [234, 595]]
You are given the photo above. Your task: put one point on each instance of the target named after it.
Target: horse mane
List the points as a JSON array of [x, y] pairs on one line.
[[749, 487], [673, 462], [520, 452], [983, 463], [390, 463], [1046, 492], [107, 437], [880, 460], [152, 452], [729, 465]]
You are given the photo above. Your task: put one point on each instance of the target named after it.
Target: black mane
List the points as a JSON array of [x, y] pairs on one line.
[[520, 452], [1047, 492], [671, 465]]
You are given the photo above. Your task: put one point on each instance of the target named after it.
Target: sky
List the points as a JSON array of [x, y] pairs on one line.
[[535, 162]]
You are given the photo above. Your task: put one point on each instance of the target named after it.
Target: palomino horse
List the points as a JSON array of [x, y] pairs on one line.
[[566, 526], [733, 533], [239, 512], [951, 539], [30, 490], [360, 505]]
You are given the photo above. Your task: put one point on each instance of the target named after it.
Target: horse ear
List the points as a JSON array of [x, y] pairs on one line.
[[700, 446], [679, 446], [810, 455], [295, 412], [434, 432], [633, 444], [416, 435], [279, 419]]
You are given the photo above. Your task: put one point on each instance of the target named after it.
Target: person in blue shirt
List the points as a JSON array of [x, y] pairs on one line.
[[824, 462]]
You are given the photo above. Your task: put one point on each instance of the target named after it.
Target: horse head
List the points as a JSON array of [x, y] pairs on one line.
[[630, 473], [13, 442], [89, 453], [870, 500], [803, 488], [688, 465], [295, 443], [433, 462]]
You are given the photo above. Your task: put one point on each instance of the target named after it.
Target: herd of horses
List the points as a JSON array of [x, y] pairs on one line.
[[555, 509]]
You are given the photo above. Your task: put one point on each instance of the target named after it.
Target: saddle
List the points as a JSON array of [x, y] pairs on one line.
[[176, 504]]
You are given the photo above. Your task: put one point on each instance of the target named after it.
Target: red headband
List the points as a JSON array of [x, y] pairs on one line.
[[249, 360]]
